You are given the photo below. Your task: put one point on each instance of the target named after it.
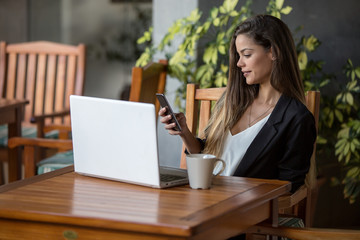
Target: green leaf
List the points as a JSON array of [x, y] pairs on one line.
[[222, 49], [201, 71], [214, 56], [194, 15], [350, 98], [229, 5], [302, 59], [352, 147], [216, 22], [346, 148], [357, 71], [311, 43], [351, 85], [222, 9], [324, 83], [234, 13], [220, 36], [199, 29], [339, 115], [276, 14], [279, 4], [224, 68], [179, 57], [344, 133], [207, 55], [207, 26], [356, 142], [286, 10], [214, 12]]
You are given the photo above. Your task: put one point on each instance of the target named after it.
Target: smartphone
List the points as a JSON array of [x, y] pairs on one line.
[[164, 103]]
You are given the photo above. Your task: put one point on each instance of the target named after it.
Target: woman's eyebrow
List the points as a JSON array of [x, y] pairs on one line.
[[243, 50]]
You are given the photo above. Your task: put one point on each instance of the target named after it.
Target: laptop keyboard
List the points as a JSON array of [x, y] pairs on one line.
[[169, 177]]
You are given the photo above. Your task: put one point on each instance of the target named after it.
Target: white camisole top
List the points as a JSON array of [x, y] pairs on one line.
[[236, 145]]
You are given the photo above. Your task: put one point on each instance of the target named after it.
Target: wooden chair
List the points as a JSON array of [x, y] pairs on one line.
[[197, 120], [146, 82], [306, 233], [46, 74]]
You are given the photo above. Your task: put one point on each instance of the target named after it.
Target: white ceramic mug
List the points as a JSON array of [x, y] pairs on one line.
[[200, 169]]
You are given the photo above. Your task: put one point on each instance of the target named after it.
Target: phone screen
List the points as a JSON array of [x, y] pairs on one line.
[[164, 103]]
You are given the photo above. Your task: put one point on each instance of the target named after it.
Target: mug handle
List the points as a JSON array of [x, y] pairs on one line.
[[223, 165]]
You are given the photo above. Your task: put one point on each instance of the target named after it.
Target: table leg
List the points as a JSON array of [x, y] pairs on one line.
[[14, 129], [274, 215]]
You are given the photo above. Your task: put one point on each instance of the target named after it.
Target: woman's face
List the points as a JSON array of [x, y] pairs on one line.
[[255, 61]]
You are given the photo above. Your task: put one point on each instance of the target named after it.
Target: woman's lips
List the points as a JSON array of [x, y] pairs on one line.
[[246, 73]]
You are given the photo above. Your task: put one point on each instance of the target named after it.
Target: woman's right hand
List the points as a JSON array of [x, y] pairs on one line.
[[169, 125], [191, 143]]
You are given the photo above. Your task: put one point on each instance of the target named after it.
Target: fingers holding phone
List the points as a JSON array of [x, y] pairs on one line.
[[171, 126], [169, 118]]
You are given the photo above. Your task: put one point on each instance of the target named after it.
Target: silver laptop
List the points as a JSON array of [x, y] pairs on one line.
[[117, 140]]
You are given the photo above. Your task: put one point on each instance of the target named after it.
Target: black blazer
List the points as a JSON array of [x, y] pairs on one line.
[[283, 147]]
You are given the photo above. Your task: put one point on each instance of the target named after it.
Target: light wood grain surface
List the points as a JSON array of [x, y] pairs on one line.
[[91, 208]]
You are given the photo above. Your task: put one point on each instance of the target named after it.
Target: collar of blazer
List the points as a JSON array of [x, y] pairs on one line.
[[264, 137]]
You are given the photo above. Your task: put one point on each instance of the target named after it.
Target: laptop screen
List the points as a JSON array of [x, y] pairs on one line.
[[115, 139]]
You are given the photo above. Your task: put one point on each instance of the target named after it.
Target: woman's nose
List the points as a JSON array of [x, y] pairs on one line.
[[240, 63]]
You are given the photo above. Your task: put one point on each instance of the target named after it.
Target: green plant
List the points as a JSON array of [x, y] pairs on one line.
[[347, 147], [339, 128]]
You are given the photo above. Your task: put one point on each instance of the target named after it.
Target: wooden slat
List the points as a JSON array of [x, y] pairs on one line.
[[212, 94], [205, 112], [80, 73], [191, 107], [21, 71], [30, 87], [70, 82], [137, 73], [60, 83], [11, 81], [70, 78], [191, 116], [40, 85], [43, 47], [2, 68], [50, 86]]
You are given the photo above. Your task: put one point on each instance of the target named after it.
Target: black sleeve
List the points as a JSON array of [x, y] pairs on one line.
[[202, 143], [295, 163]]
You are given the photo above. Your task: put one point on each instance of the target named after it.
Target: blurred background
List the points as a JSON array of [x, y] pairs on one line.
[[110, 28]]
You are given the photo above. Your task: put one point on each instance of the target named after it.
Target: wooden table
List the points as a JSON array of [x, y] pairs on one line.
[[64, 203], [11, 113]]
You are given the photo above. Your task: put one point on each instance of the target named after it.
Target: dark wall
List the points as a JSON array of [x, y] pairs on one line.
[[45, 20], [13, 20], [30, 20]]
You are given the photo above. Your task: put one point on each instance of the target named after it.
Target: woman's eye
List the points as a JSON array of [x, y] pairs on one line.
[[247, 55]]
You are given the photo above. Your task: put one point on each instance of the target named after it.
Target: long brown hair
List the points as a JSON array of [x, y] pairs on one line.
[[271, 33]]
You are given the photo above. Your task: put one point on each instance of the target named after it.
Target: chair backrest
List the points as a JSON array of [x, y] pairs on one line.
[[196, 118], [147, 81], [43, 72], [312, 99]]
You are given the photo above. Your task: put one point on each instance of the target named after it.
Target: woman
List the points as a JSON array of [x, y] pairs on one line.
[[260, 126]]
